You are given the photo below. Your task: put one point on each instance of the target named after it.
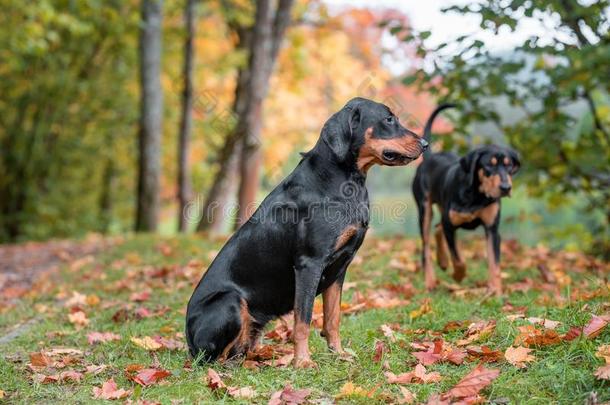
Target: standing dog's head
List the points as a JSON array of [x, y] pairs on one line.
[[490, 169], [365, 133]]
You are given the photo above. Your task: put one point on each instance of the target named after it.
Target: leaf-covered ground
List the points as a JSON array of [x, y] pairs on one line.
[[110, 326]]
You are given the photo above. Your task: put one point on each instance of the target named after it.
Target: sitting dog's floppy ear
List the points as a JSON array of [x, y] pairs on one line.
[[514, 155], [469, 165], [337, 132]]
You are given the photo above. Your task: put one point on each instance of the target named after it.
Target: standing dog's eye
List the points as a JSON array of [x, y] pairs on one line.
[[389, 120]]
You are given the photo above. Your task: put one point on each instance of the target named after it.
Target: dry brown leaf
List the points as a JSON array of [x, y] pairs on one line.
[[603, 352], [388, 332], [214, 381], [518, 356], [422, 310], [546, 323], [349, 389], [78, 318], [529, 335], [603, 373], [479, 378], [418, 375], [485, 354], [477, 331], [110, 390], [241, 393], [150, 376], [407, 397], [288, 395], [102, 337], [595, 326], [380, 349]]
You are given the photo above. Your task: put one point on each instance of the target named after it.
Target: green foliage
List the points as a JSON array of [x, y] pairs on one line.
[[65, 115], [554, 86]]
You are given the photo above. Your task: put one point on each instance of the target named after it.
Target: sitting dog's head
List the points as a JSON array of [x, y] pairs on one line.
[[490, 169], [364, 133]]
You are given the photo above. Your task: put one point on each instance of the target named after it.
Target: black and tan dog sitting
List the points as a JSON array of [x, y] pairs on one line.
[[300, 240], [467, 192]]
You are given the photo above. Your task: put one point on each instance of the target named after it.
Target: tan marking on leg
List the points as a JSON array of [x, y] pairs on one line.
[[441, 248], [459, 268], [302, 358], [345, 236], [489, 213], [331, 298], [242, 341], [495, 275], [429, 276]]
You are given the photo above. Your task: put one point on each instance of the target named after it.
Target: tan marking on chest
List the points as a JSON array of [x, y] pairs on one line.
[[487, 215], [347, 234]]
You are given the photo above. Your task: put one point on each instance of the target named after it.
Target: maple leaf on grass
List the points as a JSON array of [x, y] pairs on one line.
[[147, 343], [484, 353], [479, 378], [595, 326], [78, 318], [110, 390], [603, 372], [150, 376], [418, 375], [349, 389], [529, 335], [288, 395], [102, 337], [518, 356], [477, 331], [439, 351], [603, 352], [214, 381]]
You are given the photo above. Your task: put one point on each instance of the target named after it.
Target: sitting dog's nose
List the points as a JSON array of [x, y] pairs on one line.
[[424, 144], [505, 188]]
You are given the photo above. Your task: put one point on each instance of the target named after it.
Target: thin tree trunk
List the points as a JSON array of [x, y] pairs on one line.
[[212, 219], [150, 116], [186, 121], [268, 34]]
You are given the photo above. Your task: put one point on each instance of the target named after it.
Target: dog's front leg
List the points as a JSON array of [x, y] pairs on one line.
[[493, 259], [332, 314], [307, 278]]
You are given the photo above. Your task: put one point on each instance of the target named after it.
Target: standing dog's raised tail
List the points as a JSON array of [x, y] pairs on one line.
[[428, 127]]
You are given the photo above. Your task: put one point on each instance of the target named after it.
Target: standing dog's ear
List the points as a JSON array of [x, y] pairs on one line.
[[469, 165], [514, 155], [337, 132]]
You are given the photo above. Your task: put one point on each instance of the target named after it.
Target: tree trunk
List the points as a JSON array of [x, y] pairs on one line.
[[186, 121], [212, 219], [150, 116], [267, 37]]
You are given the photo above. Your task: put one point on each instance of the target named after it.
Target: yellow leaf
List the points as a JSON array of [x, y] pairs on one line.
[[146, 343]]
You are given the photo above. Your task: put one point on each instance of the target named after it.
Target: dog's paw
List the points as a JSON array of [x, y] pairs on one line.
[[304, 363]]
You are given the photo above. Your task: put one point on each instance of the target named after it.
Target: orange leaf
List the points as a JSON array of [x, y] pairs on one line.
[[473, 382], [518, 356], [214, 380], [102, 337], [289, 395]]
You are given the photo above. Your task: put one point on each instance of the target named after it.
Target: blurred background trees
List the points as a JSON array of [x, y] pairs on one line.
[[241, 87]]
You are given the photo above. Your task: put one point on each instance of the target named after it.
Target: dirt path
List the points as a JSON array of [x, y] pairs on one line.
[[21, 265]]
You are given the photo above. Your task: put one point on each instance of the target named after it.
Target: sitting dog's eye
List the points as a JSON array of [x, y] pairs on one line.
[[389, 120]]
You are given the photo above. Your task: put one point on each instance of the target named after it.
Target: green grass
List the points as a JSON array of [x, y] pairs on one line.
[[561, 373]]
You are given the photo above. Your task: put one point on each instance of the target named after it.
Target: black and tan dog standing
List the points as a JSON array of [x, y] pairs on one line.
[[300, 240], [467, 192]]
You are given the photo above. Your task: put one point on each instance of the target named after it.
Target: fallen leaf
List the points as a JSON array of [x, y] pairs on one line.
[[147, 343], [547, 323], [95, 369], [380, 349], [529, 335], [422, 310], [595, 326], [572, 334], [440, 351], [349, 389], [603, 373], [518, 356], [110, 390], [241, 393], [407, 396], [479, 378], [418, 375], [288, 395], [603, 352], [40, 360], [78, 318], [477, 331], [102, 337], [150, 376], [139, 296], [485, 354], [214, 381]]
